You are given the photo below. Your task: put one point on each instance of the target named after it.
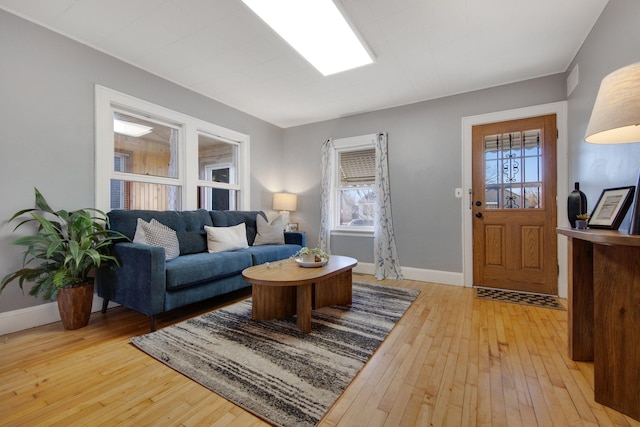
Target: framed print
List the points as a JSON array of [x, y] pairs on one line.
[[292, 226], [611, 208]]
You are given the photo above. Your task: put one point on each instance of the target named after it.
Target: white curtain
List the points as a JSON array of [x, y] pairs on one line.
[[324, 242], [385, 254], [172, 196]]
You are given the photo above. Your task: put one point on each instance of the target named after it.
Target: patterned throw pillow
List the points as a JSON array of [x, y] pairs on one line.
[[157, 234], [269, 234], [221, 239]]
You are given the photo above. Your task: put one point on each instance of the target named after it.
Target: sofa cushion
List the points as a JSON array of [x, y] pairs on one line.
[[193, 238], [270, 253], [187, 221], [269, 233], [193, 269]]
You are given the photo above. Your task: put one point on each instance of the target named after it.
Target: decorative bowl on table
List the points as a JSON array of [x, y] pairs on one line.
[[315, 257], [312, 261]]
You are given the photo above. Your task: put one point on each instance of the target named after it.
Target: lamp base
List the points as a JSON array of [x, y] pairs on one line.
[[634, 226], [285, 218]]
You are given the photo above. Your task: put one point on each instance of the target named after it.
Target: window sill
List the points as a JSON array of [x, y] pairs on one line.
[[367, 232]]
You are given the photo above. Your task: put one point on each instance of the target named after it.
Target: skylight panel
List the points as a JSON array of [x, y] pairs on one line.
[[317, 30]]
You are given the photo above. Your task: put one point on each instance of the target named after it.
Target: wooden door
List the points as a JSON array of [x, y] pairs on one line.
[[514, 205]]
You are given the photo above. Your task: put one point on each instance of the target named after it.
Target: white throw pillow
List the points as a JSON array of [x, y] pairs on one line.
[[157, 234], [139, 237], [221, 239], [269, 234]]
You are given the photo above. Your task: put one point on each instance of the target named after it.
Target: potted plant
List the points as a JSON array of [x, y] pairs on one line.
[[61, 257], [582, 220], [312, 255]]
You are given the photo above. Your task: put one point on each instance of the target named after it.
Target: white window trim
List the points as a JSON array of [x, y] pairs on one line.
[[108, 100], [212, 184], [354, 143]]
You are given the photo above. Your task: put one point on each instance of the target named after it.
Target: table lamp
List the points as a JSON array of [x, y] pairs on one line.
[[616, 118], [285, 203]]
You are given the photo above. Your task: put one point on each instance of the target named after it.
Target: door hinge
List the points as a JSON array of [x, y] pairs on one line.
[[558, 269], [557, 134]]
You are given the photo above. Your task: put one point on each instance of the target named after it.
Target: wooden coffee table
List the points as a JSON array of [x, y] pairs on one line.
[[284, 288]]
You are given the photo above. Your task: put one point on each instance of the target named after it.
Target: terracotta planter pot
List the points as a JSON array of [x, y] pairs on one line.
[[74, 305]]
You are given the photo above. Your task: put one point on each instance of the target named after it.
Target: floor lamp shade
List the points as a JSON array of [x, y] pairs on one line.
[[615, 118]]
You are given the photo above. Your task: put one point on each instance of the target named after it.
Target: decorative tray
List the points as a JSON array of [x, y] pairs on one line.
[[302, 263]]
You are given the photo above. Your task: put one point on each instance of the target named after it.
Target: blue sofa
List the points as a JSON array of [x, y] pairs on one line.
[[147, 283]]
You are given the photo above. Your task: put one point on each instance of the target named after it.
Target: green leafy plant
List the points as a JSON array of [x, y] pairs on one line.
[[315, 251], [69, 245]]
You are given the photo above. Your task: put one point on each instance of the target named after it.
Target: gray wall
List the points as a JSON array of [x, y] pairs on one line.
[[47, 127], [425, 166], [425, 149], [613, 43]]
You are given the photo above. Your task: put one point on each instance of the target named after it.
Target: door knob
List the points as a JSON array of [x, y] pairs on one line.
[[478, 203], [478, 214]]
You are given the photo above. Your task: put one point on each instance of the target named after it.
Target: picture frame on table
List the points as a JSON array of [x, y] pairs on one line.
[[611, 207], [292, 226]]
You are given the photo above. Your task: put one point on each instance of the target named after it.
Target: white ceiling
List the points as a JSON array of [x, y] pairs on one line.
[[425, 49]]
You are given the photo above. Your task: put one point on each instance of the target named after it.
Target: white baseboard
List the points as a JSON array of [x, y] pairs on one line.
[[38, 315], [30, 317], [420, 274]]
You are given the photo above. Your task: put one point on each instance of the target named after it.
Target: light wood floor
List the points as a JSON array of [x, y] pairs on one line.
[[453, 360]]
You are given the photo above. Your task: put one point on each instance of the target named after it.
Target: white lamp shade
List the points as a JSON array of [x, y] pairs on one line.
[[285, 202], [616, 114]]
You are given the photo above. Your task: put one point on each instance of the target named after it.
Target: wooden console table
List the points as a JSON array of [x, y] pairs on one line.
[[604, 313]]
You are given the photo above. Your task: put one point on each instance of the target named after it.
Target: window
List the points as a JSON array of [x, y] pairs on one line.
[[354, 184], [513, 170], [119, 191], [217, 160], [149, 157]]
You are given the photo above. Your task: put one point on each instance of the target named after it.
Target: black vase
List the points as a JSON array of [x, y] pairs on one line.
[[576, 204]]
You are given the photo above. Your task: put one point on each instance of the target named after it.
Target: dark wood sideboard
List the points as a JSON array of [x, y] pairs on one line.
[[604, 312]]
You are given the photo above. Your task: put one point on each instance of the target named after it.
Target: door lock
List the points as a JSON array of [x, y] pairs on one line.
[[478, 214]]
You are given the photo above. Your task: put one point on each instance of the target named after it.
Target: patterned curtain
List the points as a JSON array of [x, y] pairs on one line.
[[384, 254], [324, 242]]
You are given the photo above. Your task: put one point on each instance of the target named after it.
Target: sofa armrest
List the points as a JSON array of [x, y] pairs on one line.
[[295, 238], [140, 281]]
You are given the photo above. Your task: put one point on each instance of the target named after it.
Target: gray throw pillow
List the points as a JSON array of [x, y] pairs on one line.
[[269, 234], [158, 234]]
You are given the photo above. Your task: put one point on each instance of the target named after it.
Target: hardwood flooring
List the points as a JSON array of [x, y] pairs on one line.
[[452, 360]]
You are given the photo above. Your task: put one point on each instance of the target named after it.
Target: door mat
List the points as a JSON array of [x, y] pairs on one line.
[[537, 300]]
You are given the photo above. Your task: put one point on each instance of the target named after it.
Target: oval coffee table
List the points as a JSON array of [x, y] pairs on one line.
[[283, 288]]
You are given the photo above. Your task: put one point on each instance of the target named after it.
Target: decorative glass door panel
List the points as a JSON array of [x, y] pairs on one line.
[[513, 171]]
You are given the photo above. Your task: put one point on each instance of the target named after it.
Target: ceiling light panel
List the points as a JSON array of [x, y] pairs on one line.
[[130, 129], [317, 30]]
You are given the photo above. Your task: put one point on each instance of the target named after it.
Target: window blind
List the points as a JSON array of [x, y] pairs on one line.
[[357, 167]]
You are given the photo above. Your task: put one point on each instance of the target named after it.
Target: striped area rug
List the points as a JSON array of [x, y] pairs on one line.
[[272, 369]]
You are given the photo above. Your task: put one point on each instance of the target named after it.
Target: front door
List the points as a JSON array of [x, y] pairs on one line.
[[514, 205]]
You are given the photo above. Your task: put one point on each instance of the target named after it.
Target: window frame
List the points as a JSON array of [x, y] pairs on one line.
[[356, 143], [108, 101], [208, 189]]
